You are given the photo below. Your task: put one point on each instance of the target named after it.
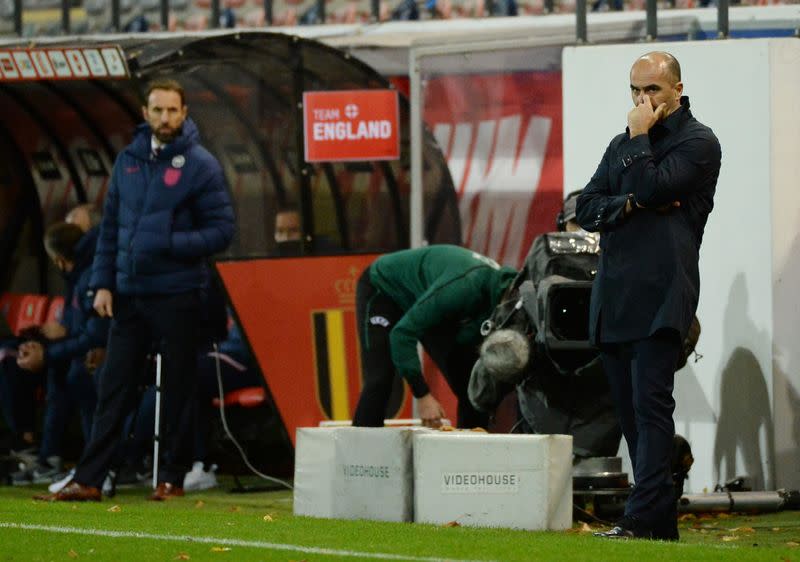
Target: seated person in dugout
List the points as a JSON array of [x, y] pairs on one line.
[[438, 296], [70, 383]]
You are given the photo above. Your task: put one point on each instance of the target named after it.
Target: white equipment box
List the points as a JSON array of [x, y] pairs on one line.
[[373, 475], [313, 465], [482, 480]]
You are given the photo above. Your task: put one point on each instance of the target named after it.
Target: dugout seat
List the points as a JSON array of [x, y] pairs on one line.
[[249, 397], [55, 310], [23, 310]]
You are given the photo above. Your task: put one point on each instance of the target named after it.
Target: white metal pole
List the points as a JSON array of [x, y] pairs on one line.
[[416, 218], [156, 429]]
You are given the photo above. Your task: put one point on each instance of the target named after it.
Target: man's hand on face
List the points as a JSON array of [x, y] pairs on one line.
[[103, 301], [642, 117], [31, 356], [430, 411]]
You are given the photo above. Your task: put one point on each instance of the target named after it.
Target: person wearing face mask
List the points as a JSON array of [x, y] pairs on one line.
[[649, 199], [167, 211], [63, 355]]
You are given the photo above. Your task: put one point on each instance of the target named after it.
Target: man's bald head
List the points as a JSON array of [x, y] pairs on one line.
[[656, 77], [668, 64], [84, 216]]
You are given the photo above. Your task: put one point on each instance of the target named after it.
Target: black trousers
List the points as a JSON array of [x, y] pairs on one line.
[[169, 325], [380, 381], [641, 375]]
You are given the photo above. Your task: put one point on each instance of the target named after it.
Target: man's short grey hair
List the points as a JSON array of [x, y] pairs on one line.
[[505, 355]]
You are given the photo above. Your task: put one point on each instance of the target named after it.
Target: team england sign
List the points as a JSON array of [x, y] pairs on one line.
[[351, 125]]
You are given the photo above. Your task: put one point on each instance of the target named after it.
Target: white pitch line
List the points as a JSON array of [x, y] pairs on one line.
[[227, 542]]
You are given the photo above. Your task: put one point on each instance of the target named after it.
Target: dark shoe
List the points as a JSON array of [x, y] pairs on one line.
[[666, 530], [165, 491], [616, 533], [73, 492], [632, 528]]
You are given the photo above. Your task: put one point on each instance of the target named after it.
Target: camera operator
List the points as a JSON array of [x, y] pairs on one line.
[[562, 392]]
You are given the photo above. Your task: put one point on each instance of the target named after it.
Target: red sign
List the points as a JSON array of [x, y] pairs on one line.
[[351, 125], [299, 318]]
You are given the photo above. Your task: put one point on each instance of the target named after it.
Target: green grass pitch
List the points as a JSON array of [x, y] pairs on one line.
[[218, 526]]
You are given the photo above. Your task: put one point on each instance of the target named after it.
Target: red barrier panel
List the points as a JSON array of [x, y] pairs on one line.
[[298, 315]]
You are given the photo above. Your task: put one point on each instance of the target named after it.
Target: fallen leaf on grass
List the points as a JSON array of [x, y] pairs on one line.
[[743, 530], [452, 524], [586, 528], [199, 504], [793, 544], [72, 554], [729, 538], [182, 556], [724, 515], [268, 518], [687, 517], [234, 509], [114, 509], [220, 549], [776, 529]]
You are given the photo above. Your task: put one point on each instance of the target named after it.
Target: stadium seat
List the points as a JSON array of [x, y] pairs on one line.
[[248, 397], [23, 310], [9, 305], [32, 312], [55, 311]]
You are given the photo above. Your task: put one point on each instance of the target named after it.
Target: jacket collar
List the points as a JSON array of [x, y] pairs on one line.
[[141, 146], [673, 122]]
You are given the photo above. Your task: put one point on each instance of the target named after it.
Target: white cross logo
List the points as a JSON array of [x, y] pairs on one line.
[[351, 110]]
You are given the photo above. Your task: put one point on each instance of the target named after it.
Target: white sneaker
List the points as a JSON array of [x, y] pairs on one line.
[[108, 485], [59, 484], [199, 479]]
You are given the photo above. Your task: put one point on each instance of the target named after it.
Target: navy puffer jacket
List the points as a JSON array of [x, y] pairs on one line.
[[162, 217]]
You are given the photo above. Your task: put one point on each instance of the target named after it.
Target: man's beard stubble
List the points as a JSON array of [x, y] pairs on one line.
[[166, 135]]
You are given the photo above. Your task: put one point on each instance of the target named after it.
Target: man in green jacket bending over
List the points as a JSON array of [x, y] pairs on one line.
[[438, 296]]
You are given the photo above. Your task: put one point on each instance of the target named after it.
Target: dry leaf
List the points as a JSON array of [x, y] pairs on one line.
[[793, 544], [723, 515], [447, 428], [729, 538], [744, 530], [72, 554], [220, 549], [235, 508], [199, 504], [114, 509], [585, 528], [452, 524], [776, 529], [183, 556], [268, 518], [479, 430], [687, 517]]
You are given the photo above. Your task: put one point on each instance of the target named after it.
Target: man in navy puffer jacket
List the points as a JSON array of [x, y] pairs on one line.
[[166, 211]]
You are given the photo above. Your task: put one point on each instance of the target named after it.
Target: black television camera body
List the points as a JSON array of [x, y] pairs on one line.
[[549, 299], [563, 389]]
